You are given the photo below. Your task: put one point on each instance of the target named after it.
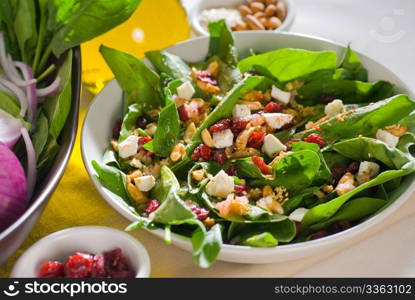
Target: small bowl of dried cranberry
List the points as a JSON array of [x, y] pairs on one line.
[[85, 252]]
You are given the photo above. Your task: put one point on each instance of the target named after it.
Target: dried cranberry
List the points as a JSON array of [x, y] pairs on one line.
[[98, 267], [116, 264], [340, 226], [265, 169], [203, 152], [297, 226], [238, 125], [338, 171], [78, 265], [51, 269], [239, 189], [256, 139], [116, 129], [220, 156], [144, 140], [287, 126], [318, 235], [207, 77], [290, 143], [273, 107], [232, 171], [221, 125], [315, 138], [327, 98], [199, 211], [183, 115], [353, 167], [152, 206], [142, 122]]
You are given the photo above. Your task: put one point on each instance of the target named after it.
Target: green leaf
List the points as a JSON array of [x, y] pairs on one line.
[[206, 245], [262, 240], [247, 169], [82, 20], [47, 157], [57, 107], [40, 136], [25, 28], [352, 211], [172, 209], [166, 184], [129, 121], [289, 64], [349, 91], [113, 179], [140, 84], [9, 105], [352, 66], [221, 43], [170, 64], [297, 200]]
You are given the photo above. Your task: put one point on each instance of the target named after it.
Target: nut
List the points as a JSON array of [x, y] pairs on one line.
[[270, 10], [207, 87], [253, 23], [267, 191], [274, 23], [213, 69], [257, 6], [114, 145], [242, 139], [190, 131], [264, 22], [209, 222], [178, 152], [135, 194], [134, 175], [245, 10], [247, 152], [281, 10], [269, 2], [198, 175], [259, 15], [253, 105], [397, 130], [240, 25], [207, 138]]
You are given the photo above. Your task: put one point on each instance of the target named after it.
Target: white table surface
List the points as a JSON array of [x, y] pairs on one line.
[[384, 30]]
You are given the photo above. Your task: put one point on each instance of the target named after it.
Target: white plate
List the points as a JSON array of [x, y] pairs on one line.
[[206, 4], [106, 108], [88, 239]]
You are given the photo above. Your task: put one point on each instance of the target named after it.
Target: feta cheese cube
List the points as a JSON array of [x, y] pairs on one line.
[[367, 171], [388, 138], [277, 120], [221, 185], [186, 90], [334, 108], [298, 214], [280, 95], [128, 147], [223, 138], [272, 145], [136, 163], [241, 111], [145, 183]]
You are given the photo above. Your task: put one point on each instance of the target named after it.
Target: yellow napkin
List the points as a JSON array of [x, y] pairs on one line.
[[74, 203]]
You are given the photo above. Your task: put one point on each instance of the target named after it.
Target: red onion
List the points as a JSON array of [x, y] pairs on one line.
[[30, 90], [49, 90], [13, 188], [31, 162], [9, 129]]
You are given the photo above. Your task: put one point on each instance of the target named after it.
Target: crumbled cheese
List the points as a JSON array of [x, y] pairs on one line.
[[367, 170], [231, 16], [388, 138], [280, 95], [128, 147], [136, 163], [223, 138], [271, 204], [272, 145], [241, 111], [277, 120], [221, 185], [145, 183], [334, 108], [186, 90], [298, 214]]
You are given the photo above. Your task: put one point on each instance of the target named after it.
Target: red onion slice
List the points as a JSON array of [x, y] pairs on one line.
[[9, 129], [31, 162], [27, 72], [49, 90]]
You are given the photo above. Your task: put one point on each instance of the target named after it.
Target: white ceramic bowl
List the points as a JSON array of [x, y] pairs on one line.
[[106, 108], [89, 239], [206, 4]]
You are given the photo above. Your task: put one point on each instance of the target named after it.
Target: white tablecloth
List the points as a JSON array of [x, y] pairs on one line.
[[384, 30]]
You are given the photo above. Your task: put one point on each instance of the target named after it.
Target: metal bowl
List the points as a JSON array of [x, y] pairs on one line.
[[13, 236]]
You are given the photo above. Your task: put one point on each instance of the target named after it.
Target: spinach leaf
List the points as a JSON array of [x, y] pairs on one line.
[[25, 28], [221, 43], [354, 210], [172, 209], [46, 158], [81, 20], [7, 18], [206, 245], [297, 200], [352, 66], [262, 240], [349, 91], [129, 121], [57, 107], [247, 169], [170, 64], [364, 120], [40, 136], [326, 210], [289, 64], [9, 104], [140, 84], [113, 179], [166, 184], [363, 149]]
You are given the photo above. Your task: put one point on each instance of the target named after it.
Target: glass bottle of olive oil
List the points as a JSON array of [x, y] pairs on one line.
[[154, 25]]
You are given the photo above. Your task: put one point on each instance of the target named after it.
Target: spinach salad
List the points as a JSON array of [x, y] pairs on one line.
[[274, 148]]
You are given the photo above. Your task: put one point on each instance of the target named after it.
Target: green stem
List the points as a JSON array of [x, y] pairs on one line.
[[49, 70], [45, 57]]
